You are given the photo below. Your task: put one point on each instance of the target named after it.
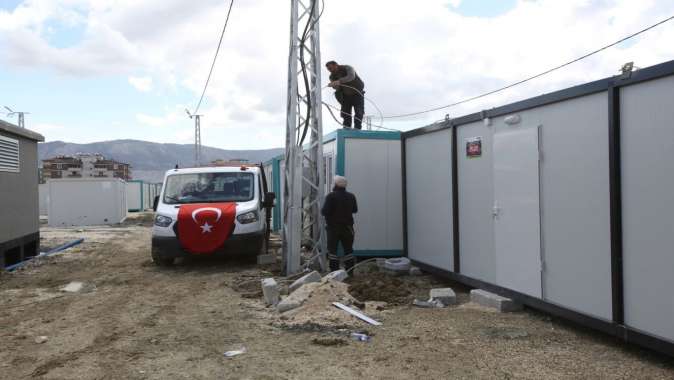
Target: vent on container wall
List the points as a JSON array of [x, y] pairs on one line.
[[9, 155]]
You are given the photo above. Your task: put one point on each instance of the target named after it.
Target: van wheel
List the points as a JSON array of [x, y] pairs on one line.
[[162, 261]]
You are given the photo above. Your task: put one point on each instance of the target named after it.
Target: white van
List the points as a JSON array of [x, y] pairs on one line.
[[244, 185]]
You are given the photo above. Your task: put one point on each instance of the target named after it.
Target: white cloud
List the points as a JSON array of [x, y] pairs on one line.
[[142, 84], [411, 57]]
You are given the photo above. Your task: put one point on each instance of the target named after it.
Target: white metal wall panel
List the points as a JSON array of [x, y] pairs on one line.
[[394, 198], [372, 168], [517, 211], [85, 202], [365, 165], [43, 191], [429, 199], [476, 198], [647, 143], [147, 196], [133, 195], [575, 203]]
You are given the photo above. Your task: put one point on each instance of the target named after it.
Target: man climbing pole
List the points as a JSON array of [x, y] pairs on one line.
[[349, 91], [338, 210]]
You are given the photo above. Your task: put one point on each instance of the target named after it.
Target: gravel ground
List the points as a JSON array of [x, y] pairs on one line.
[[133, 320]]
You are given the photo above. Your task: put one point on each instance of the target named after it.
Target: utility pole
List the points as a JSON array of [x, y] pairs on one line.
[[20, 115], [197, 137], [304, 173]]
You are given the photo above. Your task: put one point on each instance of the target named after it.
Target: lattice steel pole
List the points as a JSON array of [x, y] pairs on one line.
[[304, 173]]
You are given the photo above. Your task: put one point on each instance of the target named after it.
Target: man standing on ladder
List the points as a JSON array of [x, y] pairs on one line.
[[349, 91], [338, 210]]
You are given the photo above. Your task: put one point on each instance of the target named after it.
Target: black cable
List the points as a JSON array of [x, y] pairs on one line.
[[305, 76], [231, 3], [534, 76]]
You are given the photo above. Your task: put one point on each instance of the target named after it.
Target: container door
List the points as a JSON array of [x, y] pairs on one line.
[[517, 211]]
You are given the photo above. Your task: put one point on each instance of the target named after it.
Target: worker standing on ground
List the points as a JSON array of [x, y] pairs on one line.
[[349, 91], [338, 210]]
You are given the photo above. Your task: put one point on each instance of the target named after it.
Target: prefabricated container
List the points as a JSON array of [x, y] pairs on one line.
[[43, 199], [86, 201], [134, 195], [371, 162], [19, 199], [562, 202]]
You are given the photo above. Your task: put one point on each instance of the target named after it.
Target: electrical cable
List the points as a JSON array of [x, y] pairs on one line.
[[381, 115], [231, 3], [305, 76], [331, 107], [532, 77]]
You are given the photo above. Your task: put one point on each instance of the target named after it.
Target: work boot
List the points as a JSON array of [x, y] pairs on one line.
[[348, 265], [334, 265]]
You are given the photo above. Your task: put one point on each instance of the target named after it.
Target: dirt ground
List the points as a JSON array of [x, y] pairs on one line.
[[133, 320]]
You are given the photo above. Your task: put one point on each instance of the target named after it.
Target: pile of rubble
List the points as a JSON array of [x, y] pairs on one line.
[[310, 300]]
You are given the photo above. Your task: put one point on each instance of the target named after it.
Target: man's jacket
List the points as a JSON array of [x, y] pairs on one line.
[[347, 76], [339, 207]]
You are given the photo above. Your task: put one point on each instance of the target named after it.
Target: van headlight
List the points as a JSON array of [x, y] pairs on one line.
[[249, 217], [162, 221]]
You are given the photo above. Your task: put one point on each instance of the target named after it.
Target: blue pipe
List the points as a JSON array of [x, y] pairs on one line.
[[50, 252]]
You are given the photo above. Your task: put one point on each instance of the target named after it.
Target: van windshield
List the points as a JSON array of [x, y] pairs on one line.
[[209, 187]]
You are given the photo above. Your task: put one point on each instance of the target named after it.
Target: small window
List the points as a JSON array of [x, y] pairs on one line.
[[9, 155]]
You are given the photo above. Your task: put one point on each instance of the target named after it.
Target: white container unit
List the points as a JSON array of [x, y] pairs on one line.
[[43, 190], [86, 201], [562, 202], [134, 196], [371, 162]]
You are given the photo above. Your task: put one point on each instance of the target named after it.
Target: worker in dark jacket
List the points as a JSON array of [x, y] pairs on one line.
[[338, 210], [349, 91]]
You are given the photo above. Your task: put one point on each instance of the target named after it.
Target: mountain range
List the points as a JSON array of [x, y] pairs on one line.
[[150, 160]]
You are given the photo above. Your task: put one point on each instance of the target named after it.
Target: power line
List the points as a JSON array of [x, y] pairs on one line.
[[196, 110], [531, 77]]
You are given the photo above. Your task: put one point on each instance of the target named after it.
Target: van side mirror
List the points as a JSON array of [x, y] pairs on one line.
[[155, 203], [268, 201]]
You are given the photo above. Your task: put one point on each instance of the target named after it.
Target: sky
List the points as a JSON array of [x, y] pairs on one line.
[[96, 70]]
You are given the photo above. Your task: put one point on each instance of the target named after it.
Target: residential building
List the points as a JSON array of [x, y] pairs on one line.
[[84, 165]]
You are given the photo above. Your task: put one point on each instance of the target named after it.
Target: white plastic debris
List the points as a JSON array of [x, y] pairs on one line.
[[41, 339], [73, 287], [233, 353], [357, 314], [400, 265]]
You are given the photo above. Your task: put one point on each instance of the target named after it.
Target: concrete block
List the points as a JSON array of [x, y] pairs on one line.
[[270, 291], [338, 275], [502, 304], [266, 259], [288, 304], [311, 277], [297, 298], [444, 295]]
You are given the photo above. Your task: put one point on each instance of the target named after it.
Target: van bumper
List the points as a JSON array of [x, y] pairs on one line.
[[169, 247]]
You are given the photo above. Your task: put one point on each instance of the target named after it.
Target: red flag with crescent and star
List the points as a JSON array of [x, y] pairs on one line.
[[204, 227]]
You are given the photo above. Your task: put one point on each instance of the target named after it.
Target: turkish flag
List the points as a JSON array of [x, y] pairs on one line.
[[204, 227]]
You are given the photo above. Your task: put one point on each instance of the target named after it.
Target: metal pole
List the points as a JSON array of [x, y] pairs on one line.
[[197, 139], [304, 175]]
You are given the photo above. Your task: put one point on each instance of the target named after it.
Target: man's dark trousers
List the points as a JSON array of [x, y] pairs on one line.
[[344, 234], [355, 101]]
